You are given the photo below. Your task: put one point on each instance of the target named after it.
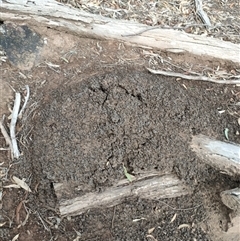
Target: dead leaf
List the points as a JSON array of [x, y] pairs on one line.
[[150, 236], [238, 121], [77, 238], [17, 212], [21, 183], [138, 219], [173, 218], [2, 224], [226, 131], [151, 230], [15, 237], [221, 111], [184, 226], [128, 176]]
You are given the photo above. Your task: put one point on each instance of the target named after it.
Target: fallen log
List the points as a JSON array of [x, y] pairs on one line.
[[52, 14], [220, 155], [148, 186]]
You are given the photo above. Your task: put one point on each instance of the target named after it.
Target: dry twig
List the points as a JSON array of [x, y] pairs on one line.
[[192, 77], [15, 111], [25, 102], [42, 221], [6, 136], [164, 27], [203, 16]]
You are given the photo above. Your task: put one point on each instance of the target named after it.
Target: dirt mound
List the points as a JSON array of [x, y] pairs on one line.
[[91, 128], [85, 132]]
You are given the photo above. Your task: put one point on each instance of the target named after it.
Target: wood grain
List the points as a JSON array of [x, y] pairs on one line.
[[62, 17], [223, 156], [147, 186]]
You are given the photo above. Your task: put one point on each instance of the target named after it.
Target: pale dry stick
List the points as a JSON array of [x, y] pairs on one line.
[[163, 27], [180, 209], [233, 76], [50, 66], [4, 149], [176, 66], [6, 136], [43, 222], [15, 111], [203, 16], [150, 236], [192, 77], [28, 211], [25, 102]]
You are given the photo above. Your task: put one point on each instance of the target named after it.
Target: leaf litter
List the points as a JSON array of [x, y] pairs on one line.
[[224, 17]]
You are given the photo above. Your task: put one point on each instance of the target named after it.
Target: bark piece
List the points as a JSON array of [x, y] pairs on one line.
[[148, 186], [218, 154], [231, 198]]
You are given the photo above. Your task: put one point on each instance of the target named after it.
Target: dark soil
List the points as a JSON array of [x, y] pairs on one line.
[[90, 128], [87, 130]]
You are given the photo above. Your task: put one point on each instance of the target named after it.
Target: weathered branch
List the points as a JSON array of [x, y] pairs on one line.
[[149, 187], [221, 155], [194, 77], [53, 14]]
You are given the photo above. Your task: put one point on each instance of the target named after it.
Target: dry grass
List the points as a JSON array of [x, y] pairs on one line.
[[224, 15]]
